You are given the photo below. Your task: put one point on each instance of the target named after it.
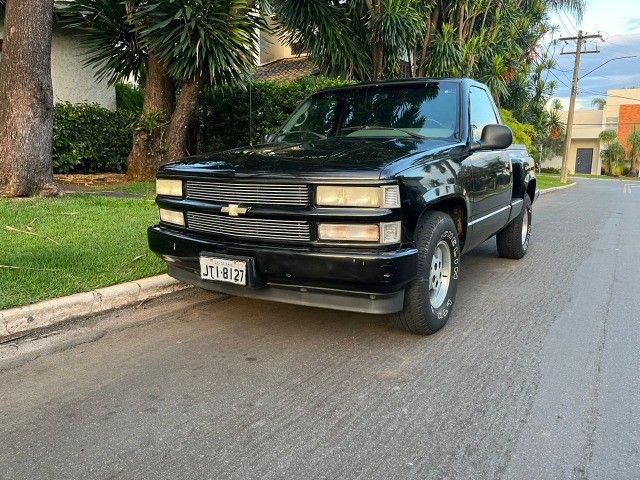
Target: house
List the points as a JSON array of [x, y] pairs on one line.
[[277, 62], [72, 81], [621, 112]]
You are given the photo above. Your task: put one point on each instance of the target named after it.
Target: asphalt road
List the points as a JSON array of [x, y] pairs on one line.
[[537, 375]]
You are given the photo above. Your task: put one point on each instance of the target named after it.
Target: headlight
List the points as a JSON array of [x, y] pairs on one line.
[[379, 232], [172, 216], [169, 188], [387, 196]]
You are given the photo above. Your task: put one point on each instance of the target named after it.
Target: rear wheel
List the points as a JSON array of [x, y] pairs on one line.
[[428, 301], [513, 241]]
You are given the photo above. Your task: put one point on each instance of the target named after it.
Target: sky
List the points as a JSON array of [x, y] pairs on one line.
[[619, 23]]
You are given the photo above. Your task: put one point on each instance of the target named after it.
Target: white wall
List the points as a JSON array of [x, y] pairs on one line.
[[73, 82], [271, 48]]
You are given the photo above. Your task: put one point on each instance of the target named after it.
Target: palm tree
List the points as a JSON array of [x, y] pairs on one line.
[[365, 39], [599, 103], [613, 158], [182, 45], [607, 137], [633, 141]]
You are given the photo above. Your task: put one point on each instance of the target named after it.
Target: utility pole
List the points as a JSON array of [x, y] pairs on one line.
[[574, 91]]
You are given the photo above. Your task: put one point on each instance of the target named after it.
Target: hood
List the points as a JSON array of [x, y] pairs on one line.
[[332, 157]]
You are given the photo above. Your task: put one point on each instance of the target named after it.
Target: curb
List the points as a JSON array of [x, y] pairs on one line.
[[548, 190], [50, 312]]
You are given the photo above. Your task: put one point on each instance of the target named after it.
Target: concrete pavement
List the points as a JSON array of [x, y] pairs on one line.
[[535, 376]]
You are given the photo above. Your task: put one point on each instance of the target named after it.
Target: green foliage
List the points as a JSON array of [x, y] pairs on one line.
[[90, 138], [554, 170], [331, 32], [608, 136], [129, 97], [223, 116], [490, 40], [192, 38], [112, 47], [633, 142], [613, 158], [150, 122], [522, 133], [212, 39]]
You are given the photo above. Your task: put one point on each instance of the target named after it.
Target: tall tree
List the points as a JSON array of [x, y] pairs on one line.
[[633, 142], [490, 40], [26, 100], [183, 46], [610, 156]]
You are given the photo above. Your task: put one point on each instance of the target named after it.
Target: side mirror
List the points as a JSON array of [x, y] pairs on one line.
[[268, 138], [495, 137]]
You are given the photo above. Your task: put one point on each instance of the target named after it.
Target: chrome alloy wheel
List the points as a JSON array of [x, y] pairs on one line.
[[440, 274], [525, 226]]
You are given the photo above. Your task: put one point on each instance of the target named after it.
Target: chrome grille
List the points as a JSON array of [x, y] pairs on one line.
[[249, 193], [256, 228]]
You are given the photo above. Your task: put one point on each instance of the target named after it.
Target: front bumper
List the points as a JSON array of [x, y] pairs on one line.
[[371, 282]]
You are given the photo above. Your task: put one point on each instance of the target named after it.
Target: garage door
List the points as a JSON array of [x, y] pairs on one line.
[[584, 159]]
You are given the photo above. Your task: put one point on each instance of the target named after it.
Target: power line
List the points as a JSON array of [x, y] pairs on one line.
[[609, 95], [566, 15], [602, 65]]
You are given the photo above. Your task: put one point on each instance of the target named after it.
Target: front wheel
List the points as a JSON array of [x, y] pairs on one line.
[[428, 301], [513, 241]]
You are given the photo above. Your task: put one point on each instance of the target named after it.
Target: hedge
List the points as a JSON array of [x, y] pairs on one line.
[[129, 97], [522, 133], [223, 116], [89, 138]]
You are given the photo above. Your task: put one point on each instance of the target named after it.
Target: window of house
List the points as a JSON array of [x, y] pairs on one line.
[[482, 111], [611, 123]]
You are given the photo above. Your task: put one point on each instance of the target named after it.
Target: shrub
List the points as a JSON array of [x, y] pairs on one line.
[[89, 138], [522, 133], [554, 170], [129, 97], [223, 116]]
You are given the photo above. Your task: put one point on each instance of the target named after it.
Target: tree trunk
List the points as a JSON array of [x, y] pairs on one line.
[[26, 100], [431, 26], [146, 154], [176, 134], [377, 58]]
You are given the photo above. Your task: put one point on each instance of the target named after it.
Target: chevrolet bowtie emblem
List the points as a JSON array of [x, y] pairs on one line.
[[234, 210]]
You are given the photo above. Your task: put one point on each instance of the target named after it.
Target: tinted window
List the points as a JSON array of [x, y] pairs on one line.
[[428, 110], [482, 112]]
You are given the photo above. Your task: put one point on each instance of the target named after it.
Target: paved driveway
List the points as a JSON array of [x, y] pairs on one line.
[[537, 375]]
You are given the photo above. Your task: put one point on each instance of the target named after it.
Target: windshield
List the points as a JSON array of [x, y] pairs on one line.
[[412, 111]]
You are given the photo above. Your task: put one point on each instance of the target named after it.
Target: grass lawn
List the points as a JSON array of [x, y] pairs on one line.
[[98, 238], [547, 180]]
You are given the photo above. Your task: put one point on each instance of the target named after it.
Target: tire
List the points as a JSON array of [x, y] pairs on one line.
[[513, 241], [427, 309]]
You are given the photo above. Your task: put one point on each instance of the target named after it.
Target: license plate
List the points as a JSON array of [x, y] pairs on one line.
[[223, 270]]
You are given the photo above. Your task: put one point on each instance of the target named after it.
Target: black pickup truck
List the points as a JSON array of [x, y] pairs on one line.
[[364, 200]]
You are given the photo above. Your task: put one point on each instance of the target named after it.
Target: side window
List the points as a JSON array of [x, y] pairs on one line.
[[482, 112]]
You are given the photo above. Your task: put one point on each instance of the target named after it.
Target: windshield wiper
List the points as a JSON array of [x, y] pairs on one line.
[[319, 135], [373, 127]]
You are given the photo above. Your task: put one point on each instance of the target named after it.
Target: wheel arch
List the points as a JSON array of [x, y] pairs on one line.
[[456, 207]]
